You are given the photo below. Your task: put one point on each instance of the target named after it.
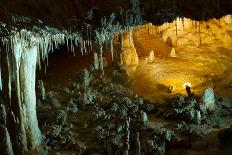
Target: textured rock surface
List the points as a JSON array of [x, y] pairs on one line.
[[209, 99], [128, 55]]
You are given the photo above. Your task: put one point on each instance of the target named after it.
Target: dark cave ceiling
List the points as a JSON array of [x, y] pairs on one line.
[[60, 13]]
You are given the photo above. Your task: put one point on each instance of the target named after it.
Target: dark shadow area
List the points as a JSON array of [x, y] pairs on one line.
[[63, 65]]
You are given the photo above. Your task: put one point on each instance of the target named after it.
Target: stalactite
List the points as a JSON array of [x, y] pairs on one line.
[[24, 51], [91, 47], [176, 26]]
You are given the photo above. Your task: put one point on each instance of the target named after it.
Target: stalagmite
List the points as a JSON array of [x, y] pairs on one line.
[[27, 88], [173, 52], [151, 56], [42, 93], [128, 55], [6, 146], [95, 61], [111, 48]]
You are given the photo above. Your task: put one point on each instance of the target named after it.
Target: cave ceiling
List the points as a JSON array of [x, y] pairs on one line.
[[67, 14]]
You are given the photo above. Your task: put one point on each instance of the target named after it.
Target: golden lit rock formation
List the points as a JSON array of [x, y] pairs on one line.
[[128, 54]]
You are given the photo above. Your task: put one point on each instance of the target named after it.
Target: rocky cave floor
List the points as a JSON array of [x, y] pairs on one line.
[[128, 111], [94, 114]]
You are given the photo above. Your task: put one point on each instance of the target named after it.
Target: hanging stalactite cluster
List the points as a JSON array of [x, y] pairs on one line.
[[23, 51]]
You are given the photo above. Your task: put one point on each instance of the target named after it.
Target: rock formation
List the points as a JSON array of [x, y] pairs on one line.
[[128, 54]]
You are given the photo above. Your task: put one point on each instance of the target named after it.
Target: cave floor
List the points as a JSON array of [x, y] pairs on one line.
[[203, 66], [81, 125]]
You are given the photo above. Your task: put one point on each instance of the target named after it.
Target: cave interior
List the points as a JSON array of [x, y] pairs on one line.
[[130, 77]]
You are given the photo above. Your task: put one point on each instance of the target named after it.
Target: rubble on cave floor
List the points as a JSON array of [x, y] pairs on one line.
[[95, 114]]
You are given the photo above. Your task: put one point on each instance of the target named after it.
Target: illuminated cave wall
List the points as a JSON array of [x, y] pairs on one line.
[[184, 31]]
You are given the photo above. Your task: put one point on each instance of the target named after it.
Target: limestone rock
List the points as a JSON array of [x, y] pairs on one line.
[[151, 56], [228, 40], [87, 97], [72, 107], [61, 117], [209, 99], [104, 62], [128, 55], [85, 78], [2, 114], [55, 102], [42, 93], [144, 117], [80, 147], [173, 52], [228, 19], [6, 146], [95, 61]]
